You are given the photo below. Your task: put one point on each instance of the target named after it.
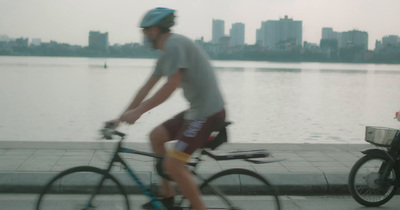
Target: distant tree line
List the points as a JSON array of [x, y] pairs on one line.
[[353, 54]]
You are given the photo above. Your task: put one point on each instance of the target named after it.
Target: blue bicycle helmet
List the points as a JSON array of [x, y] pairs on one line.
[[159, 16]]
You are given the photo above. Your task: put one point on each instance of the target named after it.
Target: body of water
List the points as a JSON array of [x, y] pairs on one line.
[[68, 99]]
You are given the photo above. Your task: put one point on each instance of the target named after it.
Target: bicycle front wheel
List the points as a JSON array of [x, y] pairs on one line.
[[365, 183], [79, 188], [239, 188]]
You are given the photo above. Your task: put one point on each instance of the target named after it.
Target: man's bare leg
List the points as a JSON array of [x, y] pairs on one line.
[[158, 137], [182, 176]]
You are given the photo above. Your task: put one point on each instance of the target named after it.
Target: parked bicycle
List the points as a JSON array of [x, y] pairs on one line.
[[95, 188], [374, 178]]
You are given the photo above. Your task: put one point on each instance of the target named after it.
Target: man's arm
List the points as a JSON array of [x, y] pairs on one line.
[[142, 93], [163, 93], [173, 81]]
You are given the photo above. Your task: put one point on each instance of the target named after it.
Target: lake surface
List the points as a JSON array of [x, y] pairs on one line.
[[68, 99]]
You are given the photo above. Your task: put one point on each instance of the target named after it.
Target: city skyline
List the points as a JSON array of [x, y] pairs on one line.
[[70, 21], [360, 37]]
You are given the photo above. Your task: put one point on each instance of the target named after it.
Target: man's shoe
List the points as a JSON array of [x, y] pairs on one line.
[[167, 203]]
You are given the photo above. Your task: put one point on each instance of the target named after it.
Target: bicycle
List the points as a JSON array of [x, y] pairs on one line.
[[99, 186], [374, 178]]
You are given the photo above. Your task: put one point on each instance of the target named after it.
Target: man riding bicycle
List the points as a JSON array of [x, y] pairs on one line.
[[187, 66]]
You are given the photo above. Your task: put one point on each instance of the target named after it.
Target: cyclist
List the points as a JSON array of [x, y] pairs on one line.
[[185, 65]]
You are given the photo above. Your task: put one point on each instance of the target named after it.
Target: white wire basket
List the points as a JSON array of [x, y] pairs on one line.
[[380, 136]]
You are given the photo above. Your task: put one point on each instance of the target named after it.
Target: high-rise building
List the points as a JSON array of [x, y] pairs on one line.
[[274, 34], [390, 40], [389, 43], [329, 33], [36, 41], [330, 41], [356, 38], [345, 39], [237, 34], [218, 30], [98, 41]]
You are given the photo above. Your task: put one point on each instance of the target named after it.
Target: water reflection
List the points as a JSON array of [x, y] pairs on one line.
[[98, 66], [278, 70], [346, 71], [230, 69], [386, 72], [299, 70]]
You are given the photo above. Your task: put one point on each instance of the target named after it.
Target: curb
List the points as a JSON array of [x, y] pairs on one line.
[[286, 184]]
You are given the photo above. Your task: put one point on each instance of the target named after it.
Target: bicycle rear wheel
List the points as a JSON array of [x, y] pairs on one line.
[[239, 189], [73, 189], [364, 183]]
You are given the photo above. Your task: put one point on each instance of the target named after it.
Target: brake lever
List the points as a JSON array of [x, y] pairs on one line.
[[107, 133], [109, 130]]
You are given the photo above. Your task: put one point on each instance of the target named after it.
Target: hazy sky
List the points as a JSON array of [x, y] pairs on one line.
[[69, 21]]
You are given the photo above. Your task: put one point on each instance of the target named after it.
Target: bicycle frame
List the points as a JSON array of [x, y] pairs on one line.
[[157, 204], [145, 190]]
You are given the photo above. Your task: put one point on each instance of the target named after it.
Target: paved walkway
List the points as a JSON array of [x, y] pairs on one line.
[[307, 168]]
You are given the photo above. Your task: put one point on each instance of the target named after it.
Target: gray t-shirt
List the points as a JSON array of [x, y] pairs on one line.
[[199, 83]]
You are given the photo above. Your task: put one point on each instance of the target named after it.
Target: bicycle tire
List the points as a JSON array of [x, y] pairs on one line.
[[78, 182], [249, 186], [362, 181]]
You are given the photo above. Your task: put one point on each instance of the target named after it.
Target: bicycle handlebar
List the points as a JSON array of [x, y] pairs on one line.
[[109, 131]]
